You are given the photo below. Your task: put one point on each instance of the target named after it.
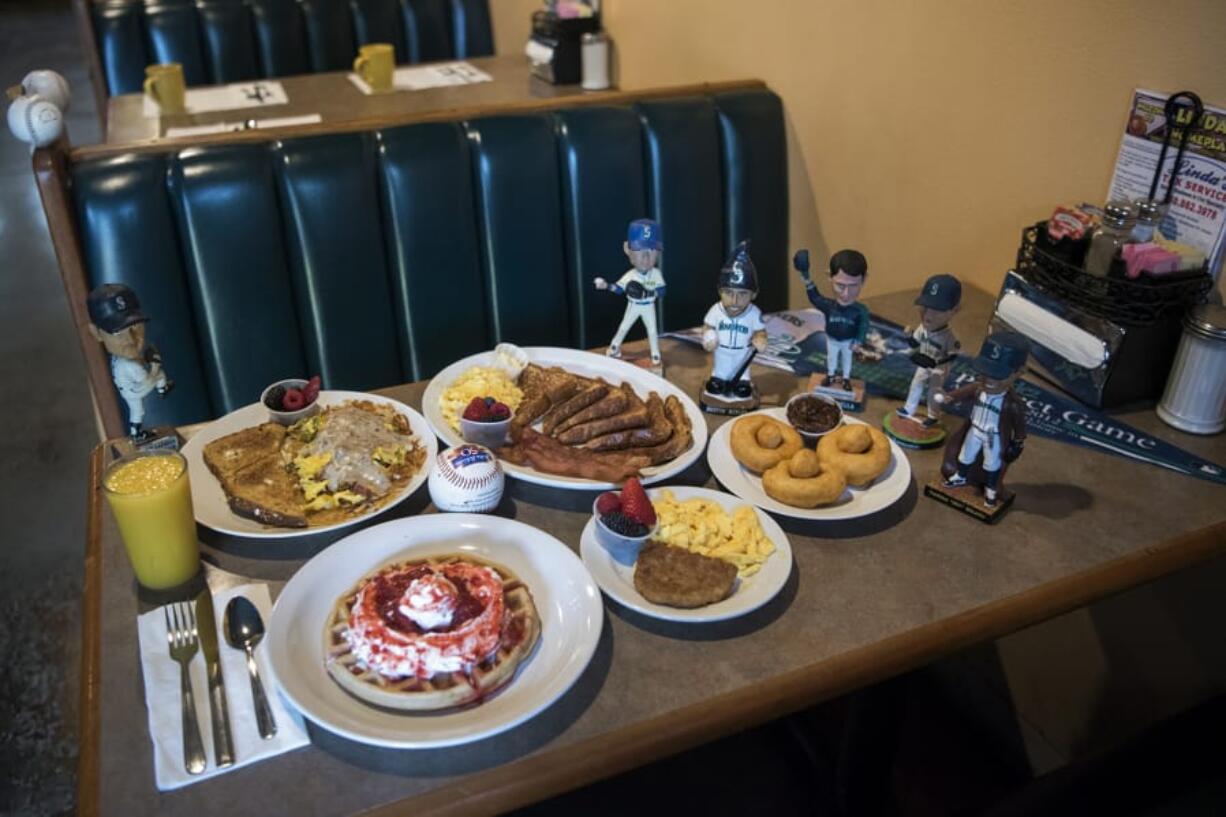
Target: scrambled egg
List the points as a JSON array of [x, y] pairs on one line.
[[704, 527], [479, 381]]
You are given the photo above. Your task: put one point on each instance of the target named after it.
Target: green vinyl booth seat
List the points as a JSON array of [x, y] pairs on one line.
[[376, 258], [219, 41]]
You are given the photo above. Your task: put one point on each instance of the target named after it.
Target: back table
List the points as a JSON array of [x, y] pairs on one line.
[[867, 599]]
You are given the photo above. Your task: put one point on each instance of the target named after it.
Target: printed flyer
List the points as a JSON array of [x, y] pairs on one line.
[[1197, 215]]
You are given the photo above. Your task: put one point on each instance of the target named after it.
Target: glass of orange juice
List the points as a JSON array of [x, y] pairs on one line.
[[152, 501]]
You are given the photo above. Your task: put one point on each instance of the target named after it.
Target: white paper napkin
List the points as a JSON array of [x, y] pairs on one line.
[[257, 124], [165, 708], [237, 95]]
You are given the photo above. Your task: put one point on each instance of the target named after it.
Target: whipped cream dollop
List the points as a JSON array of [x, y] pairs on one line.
[[429, 602]]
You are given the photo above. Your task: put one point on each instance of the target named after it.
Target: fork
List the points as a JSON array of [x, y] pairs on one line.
[[183, 641]]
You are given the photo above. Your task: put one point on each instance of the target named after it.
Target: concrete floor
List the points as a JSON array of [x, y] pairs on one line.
[[44, 403], [1052, 693]]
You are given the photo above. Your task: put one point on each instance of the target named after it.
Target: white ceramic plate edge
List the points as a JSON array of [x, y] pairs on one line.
[[556, 355], [207, 492]]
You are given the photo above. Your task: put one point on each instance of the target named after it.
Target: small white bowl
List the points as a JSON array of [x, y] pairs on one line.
[[288, 418], [625, 549], [492, 435], [814, 436]]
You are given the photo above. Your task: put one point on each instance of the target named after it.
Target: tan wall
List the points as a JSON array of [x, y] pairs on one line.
[[926, 134]]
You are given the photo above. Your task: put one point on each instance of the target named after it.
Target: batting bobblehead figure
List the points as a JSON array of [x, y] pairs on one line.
[[733, 328], [933, 345], [847, 320], [642, 284], [994, 433], [119, 325]]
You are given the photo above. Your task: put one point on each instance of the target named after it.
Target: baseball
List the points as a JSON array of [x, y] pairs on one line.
[[466, 478], [50, 85], [35, 120]]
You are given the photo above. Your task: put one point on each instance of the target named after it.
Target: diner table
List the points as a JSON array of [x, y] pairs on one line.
[[341, 106], [867, 599]]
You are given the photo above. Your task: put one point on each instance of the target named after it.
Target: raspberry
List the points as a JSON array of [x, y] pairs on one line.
[[621, 524], [475, 410], [311, 390], [607, 503], [500, 411], [635, 503], [274, 397], [293, 400]]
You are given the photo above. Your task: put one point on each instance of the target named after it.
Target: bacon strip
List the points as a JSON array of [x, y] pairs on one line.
[[549, 456]]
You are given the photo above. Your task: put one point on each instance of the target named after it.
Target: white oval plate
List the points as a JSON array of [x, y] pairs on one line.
[[566, 599], [581, 363], [209, 500], [617, 579], [855, 502]]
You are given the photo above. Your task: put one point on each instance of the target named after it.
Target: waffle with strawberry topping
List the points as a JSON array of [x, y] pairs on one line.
[[431, 634]]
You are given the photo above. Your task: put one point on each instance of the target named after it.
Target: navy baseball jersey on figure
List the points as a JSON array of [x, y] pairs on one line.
[[842, 322]]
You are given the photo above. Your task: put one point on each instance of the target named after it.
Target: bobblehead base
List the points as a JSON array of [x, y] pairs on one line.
[[850, 398], [159, 438], [911, 433], [729, 405], [642, 360], [969, 500]]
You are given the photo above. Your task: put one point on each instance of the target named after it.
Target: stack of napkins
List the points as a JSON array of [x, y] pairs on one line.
[[165, 707]]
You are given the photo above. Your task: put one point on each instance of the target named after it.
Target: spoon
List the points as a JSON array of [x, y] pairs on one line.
[[244, 629]]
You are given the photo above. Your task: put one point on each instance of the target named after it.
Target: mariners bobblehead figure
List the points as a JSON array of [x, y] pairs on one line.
[[933, 345], [119, 325], [846, 318], [995, 431], [734, 330], [642, 284]]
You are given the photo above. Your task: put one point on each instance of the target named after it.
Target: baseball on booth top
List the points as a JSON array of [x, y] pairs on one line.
[[35, 121], [467, 479], [50, 85]]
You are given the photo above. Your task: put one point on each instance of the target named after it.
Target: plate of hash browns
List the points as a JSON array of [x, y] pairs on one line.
[[358, 455], [581, 420]]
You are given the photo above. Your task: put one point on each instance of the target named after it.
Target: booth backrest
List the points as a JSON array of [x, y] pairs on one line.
[[378, 257], [220, 41]]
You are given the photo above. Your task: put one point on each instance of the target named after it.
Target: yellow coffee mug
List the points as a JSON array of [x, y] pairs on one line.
[[375, 64], [164, 83]]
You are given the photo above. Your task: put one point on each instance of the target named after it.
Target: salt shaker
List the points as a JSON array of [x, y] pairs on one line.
[[1110, 236], [1195, 396], [1149, 214]]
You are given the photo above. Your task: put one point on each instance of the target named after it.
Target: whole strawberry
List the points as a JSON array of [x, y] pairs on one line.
[[476, 410], [635, 503]]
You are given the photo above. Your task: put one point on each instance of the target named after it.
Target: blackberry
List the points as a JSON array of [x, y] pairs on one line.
[[621, 524], [275, 395]]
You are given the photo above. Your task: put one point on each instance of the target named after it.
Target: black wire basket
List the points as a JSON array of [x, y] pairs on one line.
[[1055, 268]]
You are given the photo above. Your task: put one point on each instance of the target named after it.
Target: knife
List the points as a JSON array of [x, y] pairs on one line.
[[206, 622]]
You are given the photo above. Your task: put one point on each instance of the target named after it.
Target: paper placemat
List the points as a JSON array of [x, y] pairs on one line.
[[238, 95], [162, 697], [420, 77]]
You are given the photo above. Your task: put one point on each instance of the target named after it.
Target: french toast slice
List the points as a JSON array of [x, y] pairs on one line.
[[227, 455], [266, 492]]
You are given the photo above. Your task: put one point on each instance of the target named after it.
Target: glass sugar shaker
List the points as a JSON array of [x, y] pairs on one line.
[[1195, 396], [1110, 236]]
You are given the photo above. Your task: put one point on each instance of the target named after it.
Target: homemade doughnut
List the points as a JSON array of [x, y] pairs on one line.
[[803, 481], [860, 451], [759, 441]]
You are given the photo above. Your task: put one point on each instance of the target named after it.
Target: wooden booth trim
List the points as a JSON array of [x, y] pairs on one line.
[[549, 773], [452, 113], [51, 174]]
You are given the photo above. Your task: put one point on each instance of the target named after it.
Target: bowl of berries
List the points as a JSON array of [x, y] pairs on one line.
[[288, 401], [486, 421], [624, 521]]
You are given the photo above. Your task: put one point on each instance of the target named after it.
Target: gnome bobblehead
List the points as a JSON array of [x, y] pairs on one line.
[[734, 332]]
